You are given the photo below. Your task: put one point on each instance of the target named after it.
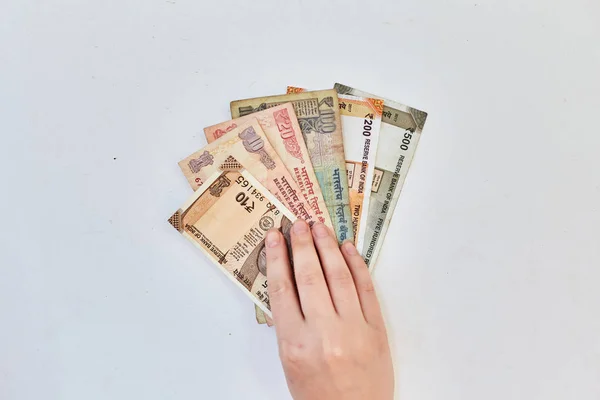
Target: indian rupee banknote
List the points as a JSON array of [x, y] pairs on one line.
[[401, 128], [361, 122], [319, 118], [247, 145], [228, 218], [281, 128]]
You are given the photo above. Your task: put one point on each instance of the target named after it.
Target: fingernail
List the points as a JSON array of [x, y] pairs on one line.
[[320, 230], [349, 248], [300, 226], [272, 238]]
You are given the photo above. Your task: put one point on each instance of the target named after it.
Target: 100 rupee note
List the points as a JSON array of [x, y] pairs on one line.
[[401, 128], [281, 128], [228, 218], [247, 145], [361, 122], [319, 118]]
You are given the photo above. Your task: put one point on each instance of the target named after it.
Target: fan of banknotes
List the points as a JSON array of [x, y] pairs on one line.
[[338, 157]]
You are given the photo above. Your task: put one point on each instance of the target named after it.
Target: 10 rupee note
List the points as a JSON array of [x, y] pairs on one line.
[[228, 218]]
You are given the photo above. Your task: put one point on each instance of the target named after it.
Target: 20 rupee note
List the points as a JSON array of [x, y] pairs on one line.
[[281, 128], [319, 118]]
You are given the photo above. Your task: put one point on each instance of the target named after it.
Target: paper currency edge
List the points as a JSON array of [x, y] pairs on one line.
[[345, 90], [183, 163]]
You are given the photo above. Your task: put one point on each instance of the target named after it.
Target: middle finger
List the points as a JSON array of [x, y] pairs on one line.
[[312, 288], [339, 279]]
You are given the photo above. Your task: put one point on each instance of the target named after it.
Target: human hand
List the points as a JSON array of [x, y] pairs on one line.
[[330, 330]]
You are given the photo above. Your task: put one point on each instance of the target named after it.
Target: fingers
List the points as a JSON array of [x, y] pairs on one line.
[[364, 284], [312, 288], [339, 279], [285, 305]]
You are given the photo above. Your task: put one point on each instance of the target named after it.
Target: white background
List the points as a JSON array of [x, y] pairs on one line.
[[489, 277]]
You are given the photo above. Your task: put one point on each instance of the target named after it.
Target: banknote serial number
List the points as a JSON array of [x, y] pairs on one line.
[[253, 192], [246, 198]]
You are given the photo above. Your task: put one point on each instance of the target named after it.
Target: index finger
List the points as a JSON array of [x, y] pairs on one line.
[[283, 298]]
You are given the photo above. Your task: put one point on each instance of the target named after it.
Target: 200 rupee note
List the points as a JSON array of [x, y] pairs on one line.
[[361, 123], [228, 218], [401, 128]]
